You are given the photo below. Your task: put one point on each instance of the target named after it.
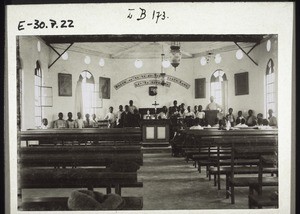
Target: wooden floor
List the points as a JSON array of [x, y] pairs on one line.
[[170, 183]]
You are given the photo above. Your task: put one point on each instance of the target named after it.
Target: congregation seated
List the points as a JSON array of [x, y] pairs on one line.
[[272, 119], [259, 119], [44, 123], [200, 114], [230, 117], [251, 119], [188, 113], [196, 124], [242, 124], [79, 121], [239, 117], [95, 121], [87, 122], [60, 123], [70, 122]]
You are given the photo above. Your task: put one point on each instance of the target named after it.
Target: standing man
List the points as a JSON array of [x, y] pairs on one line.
[[111, 118], [126, 118], [118, 116], [213, 105], [132, 107]]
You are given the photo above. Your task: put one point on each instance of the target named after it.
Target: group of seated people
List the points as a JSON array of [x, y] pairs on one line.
[[130, 117]]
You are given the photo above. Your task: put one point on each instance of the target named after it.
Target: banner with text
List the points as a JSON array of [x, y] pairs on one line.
[[150, 75]]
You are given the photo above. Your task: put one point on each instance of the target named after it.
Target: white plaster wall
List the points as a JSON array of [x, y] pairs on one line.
[[29, 55], [119, 69], [255, 100]]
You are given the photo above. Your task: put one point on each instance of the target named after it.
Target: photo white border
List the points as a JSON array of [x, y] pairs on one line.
[[202, 18]]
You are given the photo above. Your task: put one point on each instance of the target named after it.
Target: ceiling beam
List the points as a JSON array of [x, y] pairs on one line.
[[160, 37], [246, 53], [59, 55]]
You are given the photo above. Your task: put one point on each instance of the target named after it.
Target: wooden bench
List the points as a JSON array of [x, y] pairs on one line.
[[264, 198], [232, 181], [79, 166]]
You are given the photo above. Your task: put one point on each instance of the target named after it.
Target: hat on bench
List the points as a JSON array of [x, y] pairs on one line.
[[92, 200]]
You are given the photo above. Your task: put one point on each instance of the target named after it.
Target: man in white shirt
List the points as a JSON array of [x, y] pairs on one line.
[[213, 105], [79, 121], [111, 118], [131, 107], [118, 116], [200, 114]]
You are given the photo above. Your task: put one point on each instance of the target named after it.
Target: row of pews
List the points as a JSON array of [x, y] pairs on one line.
[[86, 158], [245, 158]]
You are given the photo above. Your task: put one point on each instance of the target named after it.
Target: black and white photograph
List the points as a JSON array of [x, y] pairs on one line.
[[149, 120]]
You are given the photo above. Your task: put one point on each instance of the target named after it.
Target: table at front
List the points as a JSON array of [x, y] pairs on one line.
[[156, 131]]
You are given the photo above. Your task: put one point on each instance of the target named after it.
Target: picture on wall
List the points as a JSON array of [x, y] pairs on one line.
[[65, 84], [104, 88], [241, 83], [200, 88]]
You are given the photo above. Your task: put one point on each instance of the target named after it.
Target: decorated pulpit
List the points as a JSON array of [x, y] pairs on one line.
[[155, 131], [210, 116]]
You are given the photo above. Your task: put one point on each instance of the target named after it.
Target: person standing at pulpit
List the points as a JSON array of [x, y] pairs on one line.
[[79, 121], [126, 118], [213, 105], [131, 107], [60, 123], [111, 118]]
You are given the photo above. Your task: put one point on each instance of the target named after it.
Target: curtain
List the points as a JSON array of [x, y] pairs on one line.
[[225, 96], [78, 97]]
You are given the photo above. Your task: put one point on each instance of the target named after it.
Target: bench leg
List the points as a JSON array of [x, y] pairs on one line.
[[219, 181], [232, 194], [118, 189], [249, 203], [199, 167], [108, 190], [227, 187], [215, 180]]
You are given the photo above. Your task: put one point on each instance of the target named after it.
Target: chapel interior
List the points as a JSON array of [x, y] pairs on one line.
[[147, 122]]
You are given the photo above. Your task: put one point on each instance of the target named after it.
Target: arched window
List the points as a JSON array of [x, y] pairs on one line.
[[37, 94], [85, 96], [270, 87], [216, 86]]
